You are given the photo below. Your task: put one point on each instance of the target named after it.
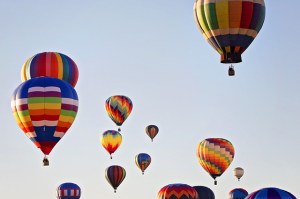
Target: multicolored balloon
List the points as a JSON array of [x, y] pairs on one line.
[[238, 193], [229, 26], [238, 173], [215, 155], [270, 193], [50, 64], [111, 140], [142, 161], [177, 191], [152, 131], [44, 108], [204, 192], [115, 175], [118, 108], [68, 190]]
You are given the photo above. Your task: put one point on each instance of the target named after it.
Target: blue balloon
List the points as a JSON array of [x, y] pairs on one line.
[[68, 190]]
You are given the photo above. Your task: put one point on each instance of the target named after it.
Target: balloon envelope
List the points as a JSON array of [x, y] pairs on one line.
[[229, 26], [142, 161], [177, 191], [118, 108], [270, 193], [111, 140], [115, 175], [215, 155], [50, 64], [204, 192], [152, 131], [238, 193], [238, 172], [44, 109], [68, 191]]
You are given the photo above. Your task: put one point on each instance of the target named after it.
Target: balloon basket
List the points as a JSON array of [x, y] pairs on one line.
[[45, 161], [231, 71]]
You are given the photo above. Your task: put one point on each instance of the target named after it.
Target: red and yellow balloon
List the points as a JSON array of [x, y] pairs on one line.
[[215, 155], [111, 140]]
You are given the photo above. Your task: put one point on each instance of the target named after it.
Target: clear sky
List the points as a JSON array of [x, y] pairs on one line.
[[152, 52]]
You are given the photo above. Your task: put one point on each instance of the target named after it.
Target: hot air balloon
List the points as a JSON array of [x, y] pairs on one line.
[[229, 26], [270, 193], [115, 175], [177, 191], [44, 109], [142, 161], [68, 191], [111, 140], [50, 64], [152, 131], [204, 192], [215, 156], [238, 172], [118, 108], [238, 193]]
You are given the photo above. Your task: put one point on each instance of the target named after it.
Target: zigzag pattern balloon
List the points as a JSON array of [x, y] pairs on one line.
[[177, 191]]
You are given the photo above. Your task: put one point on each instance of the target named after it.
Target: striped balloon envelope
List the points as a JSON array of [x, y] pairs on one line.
[[215, 155], [115, 175], [68, 190], [204, 192], [238, 193], [270, 193], [44, 108], [229, 26], [142, 161], [111, 140], [118, 108], [50, 64], [152, 131], [177, 191]]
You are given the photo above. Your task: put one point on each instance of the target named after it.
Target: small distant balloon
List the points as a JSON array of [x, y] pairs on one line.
[[111, 140], [142, 161], [238, 193], [215, 155], [238, 173], [152, 131], [204, 192], [177, 191], [118, 108], [50, 64], [68, 190], [270, 193], [115, 175]]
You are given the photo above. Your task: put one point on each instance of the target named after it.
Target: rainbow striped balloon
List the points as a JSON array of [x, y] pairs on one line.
[[115, 175], [50, 64], [177, 191], [215, 155], [271, 193], [68, 190], [229, 26], [44, 109], [142, 161], [238, 193], [118, 108], [111, 140]]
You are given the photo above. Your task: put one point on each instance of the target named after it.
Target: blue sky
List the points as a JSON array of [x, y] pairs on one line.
[[152, 52]]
